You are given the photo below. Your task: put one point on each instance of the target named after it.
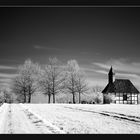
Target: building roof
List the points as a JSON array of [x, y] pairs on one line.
[[120, 86]]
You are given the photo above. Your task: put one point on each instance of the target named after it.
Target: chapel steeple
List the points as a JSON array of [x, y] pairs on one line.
[[110, 75]]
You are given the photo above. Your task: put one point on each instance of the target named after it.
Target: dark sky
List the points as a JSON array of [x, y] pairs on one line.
[[96, 37]]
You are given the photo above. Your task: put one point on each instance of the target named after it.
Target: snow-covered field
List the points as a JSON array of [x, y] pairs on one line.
[[70, 118]]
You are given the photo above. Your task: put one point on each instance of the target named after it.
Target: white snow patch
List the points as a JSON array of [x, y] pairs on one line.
[[70, 118], [80, 118], [48, 124]]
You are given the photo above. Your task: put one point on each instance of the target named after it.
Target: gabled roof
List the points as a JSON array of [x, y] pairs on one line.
[[120, 86]]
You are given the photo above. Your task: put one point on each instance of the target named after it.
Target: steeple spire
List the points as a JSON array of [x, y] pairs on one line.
[[110, 75]]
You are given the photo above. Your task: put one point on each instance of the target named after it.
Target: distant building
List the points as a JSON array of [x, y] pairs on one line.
[[122, 91]]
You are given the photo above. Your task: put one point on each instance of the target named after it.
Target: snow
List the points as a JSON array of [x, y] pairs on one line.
[[53, 127], [3, 111], [70, 118]]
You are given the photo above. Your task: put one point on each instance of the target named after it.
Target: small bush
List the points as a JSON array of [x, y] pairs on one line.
[[84, 102], [97, 100], [108, 98]]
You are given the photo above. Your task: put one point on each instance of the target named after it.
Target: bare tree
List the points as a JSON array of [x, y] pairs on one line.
[[97, 88], [71, 82], [53, 81], [45, 84], [6, 96], [19, 88], [25, 84], [97, 95], [81, 84]]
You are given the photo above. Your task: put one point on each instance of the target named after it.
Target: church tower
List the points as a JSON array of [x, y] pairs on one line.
[[110, 76]]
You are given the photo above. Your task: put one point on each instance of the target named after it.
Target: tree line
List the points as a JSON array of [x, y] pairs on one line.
[[50, 79]]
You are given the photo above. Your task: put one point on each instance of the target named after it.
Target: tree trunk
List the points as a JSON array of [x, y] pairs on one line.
[[49, 98], [79, 97], [24, 97], [73, 98], [53, 98], [29, 101]]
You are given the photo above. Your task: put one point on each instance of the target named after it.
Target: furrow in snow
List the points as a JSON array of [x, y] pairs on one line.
[[110, 114], [122, 116], [38, 119], [130, 116], [9, 120]]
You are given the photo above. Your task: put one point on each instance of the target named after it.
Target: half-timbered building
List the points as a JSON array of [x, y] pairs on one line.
[[123, 90]]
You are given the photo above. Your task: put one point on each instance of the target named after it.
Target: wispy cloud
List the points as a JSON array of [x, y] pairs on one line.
[[120, 65], [46, 48], [96, 82], [102, 65], [5, 80], [6, 85], [127, 75], [9, 60], [88, 69], [58, 49], [7, 67], [101, 71], [5, 75]]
